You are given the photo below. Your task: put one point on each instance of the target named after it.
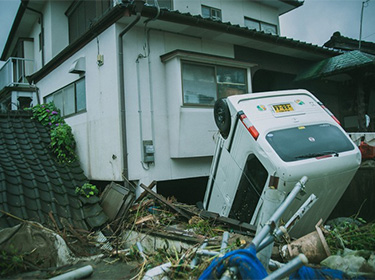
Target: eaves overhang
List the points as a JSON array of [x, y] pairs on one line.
[[233, 29], [13, 30], [284, 6], [184, 19], [199, 57]]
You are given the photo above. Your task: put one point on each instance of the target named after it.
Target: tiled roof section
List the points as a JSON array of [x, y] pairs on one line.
[[228, 27], [33, 184], [338, 41], [335, 65]]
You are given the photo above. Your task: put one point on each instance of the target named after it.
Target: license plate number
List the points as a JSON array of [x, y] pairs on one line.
[[281, 108]]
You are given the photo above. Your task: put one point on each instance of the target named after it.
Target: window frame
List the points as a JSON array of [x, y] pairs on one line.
[[261, 24], [62, 91], [211, 10], [83, 22], [161, 4], [217, 83]]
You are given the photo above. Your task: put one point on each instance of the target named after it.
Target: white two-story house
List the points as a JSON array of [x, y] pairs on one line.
[[137, 80]]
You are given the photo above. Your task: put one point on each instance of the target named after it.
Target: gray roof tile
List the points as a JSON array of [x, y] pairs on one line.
[[343, 63], [33, 183]]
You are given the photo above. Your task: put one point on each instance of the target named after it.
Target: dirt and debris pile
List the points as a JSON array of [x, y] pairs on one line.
[[156, 236], [39, 246]]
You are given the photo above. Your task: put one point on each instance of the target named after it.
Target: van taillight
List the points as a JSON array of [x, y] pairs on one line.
[[249, 126], [329, 113]]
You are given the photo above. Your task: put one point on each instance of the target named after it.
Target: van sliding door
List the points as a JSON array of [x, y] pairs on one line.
[[253, 180]]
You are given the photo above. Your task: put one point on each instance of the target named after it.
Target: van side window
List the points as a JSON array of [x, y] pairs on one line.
[[249, 190]]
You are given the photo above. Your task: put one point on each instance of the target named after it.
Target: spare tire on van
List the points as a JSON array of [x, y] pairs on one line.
[[222, 116]]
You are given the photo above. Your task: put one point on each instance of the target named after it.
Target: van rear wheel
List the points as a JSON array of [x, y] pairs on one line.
[[222, 116]]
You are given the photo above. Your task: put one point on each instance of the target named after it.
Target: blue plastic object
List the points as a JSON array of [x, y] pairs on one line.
[[245, 260], [320, 274]]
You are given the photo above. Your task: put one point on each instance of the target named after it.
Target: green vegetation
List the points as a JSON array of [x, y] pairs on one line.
[[203, 227], [351, 235], [62, 139], [87, 190], [10, 262]]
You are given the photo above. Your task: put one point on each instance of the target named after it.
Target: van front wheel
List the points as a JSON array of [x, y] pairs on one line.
[[222, 116]]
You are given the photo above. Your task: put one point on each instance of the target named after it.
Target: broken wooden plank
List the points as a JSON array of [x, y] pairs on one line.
[[163, 200], [144, 219], [232, 223], [172, 236], [142, 196]]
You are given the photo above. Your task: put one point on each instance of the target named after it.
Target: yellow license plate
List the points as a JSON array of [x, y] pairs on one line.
[[281, 108]]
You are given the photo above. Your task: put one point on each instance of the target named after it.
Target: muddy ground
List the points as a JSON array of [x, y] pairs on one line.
[[106, 268]]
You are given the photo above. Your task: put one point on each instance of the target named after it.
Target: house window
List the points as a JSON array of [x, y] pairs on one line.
[[71, 99], [261, 26], [167, 4], [83, 14], [203, 84], [212, 13]]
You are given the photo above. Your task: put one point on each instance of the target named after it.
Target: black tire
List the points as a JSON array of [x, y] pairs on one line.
[[222, 116]]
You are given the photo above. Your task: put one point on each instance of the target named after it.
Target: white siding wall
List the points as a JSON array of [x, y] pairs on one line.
[[59, 26], [48, 36], [37, 54], [96, 131], [55, 28], [182, 137]]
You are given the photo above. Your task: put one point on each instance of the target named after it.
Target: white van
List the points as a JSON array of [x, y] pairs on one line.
[[272, 139]]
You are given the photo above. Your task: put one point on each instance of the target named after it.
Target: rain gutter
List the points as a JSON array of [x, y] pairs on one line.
[[138, 7]]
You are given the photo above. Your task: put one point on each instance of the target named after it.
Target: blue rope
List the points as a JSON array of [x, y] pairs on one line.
[[245, 260]]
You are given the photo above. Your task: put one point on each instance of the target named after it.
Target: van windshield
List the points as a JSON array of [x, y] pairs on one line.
[[310, 141]]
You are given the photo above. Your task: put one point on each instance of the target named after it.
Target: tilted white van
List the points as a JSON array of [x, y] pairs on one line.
[[272, 139]]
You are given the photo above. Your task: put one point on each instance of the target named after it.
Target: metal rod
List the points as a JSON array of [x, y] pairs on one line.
[[224, 242], [194, 262], [360, 24], [287, 269], [300, 185], [306, 206], [301, 211], [208, 253], [82, 272], [268, 240], [140, 249]]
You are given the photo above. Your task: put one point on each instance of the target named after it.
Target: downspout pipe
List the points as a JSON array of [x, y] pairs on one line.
[[41, 18], [138, 6]]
